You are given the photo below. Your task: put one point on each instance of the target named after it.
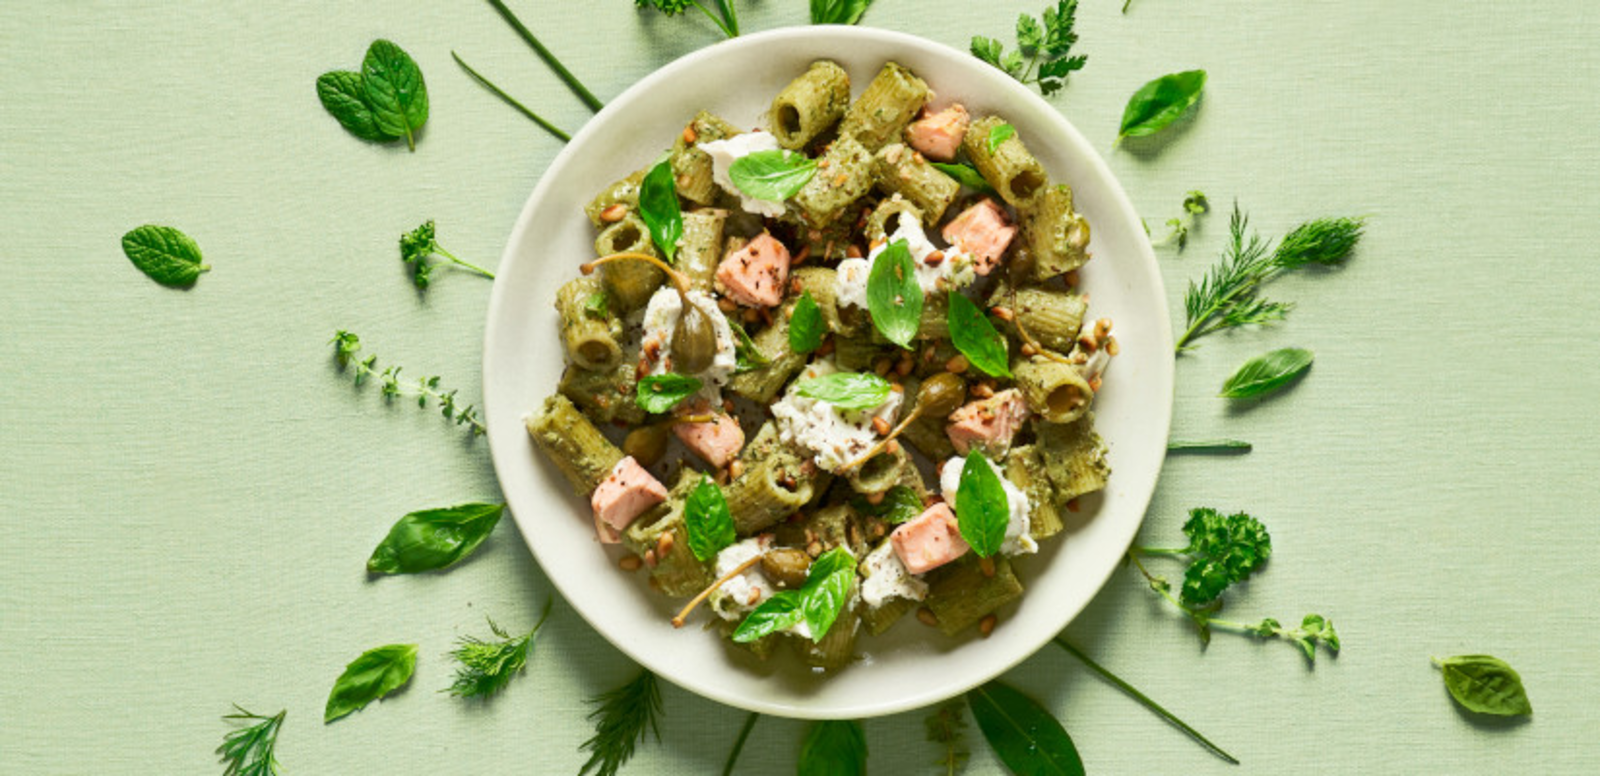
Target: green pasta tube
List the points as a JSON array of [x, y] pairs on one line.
[[1025, 468], [880, 619], [625, 191], [844, 175], [836, 649], [1054, 390], [700, 250], [885, 218], [605, 396], [769, 490], [855, 353], [1050, 317], [631, 283], [762, 648], [935, 323], [589, 332], [1074, 457], [761, 385], [1056, 235], [675, 572], [836, 525], [960, 595], [905, 173], [822, 283], [809, 105], [880, 472], [691, 167], [885, 107], [1011, 169], [573, 444], [763, 444]]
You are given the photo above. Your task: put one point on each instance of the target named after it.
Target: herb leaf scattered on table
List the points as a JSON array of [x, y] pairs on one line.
[[166, 255], [1145, 700], [726, 16], [834, 747], [1195, 205], [1159, 103], [1043, 54], [344, 98], [421, 243], [432, 539], [1267, 373], [622, 717], [346, 350], [838, 11], [395, 91], [248, 748], [376, 673], [946, 726], [560, 134], [1485, 684], [1024, 736], [486, 667]]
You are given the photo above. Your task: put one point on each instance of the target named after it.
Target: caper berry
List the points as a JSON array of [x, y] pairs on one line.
[[647, 443], [941, 394], [785, 566], [694, 342]]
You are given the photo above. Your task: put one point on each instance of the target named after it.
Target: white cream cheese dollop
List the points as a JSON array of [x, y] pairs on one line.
[[725, 152], [886, 577], [1017, 542], [834, 436], [661, 319], [733, 599]]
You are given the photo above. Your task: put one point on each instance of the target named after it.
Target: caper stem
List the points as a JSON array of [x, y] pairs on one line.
[[878, 447], [677, 622], [679, 280]]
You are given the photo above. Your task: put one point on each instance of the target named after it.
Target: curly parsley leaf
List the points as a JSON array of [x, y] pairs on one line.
[[419, 245], [1044, 48], [1224, 550]]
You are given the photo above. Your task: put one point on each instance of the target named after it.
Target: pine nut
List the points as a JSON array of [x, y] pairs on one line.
[[614, 213], [957, 365], [630, 563], [927, 617], [986, 625]]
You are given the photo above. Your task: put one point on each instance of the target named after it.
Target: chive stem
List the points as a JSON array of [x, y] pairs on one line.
[[566, 75], [1208, 446], [509, 100], [738, 744]]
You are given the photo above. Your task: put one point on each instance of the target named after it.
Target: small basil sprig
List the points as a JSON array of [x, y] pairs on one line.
[[376, 673], [705, 515], [1159, 103], [166, 255], [998, 134], [818, 602], [966, 175], [747, 357], [1024, 736], [434, 538], [834, 747], [838, 11], [660, 209], [660, 393], [899, 504], [982, 509], [976, 337], [1486, 685], [1266, 373], [847, 390], [894, 298], [805, 325], [774, 176]]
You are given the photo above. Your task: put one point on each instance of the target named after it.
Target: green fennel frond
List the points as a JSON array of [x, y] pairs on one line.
[[486, 667], [621, 717], [248, 749]]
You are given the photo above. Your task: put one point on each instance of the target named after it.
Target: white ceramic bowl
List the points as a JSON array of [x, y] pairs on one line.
[[911, 665]]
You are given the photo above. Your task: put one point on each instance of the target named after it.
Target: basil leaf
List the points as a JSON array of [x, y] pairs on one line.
[[705, 514], [747, 357], [166, 255], [1486, 685], [780, 611], [976, 337], [1023, 735], [965, 175], [805, 325], [899, 504], [434, 538], [982, 511], [376, 673], [1159, 103], [998, 134], [660, 209], [838, 11], [893, 297], [597, 306], [846, 390], [394, 90], [774, 176], [827, 590], [344, 97], [1263, 374], [660, 393], [834, 747]]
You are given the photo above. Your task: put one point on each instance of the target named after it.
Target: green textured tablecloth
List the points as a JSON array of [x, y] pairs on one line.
[[189, 489]]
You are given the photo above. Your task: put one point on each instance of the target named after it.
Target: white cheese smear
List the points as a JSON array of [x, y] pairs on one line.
[[834, 436], [733, 599], [725, 152], [1017, 542], [886, 578]]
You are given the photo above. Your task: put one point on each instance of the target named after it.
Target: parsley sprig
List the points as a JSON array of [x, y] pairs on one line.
[[1044, 49], [621, 717], [725, 17], [346, 355], [486, 667], [248, 749], [420, 245], [1194, 205]]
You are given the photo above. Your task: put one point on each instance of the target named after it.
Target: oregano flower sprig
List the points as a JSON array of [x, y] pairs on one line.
[[346, 354]]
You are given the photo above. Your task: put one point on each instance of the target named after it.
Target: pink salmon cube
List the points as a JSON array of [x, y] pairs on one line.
[[938, 135], [625, 494], [988, 424], [754, 275], [981, 230], [716, 441], [929, 540]]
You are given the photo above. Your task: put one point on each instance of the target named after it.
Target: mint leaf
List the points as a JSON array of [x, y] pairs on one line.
[[343, 96], [846, 390], [376, 673], [394, 90], [805, 325], [982, 509], [976, 338], [1485, 684], [660, 393], [894, 299], [660, 209], [705, 515], [166, 255], [1160, 102], [1266, 373], [434, 538]]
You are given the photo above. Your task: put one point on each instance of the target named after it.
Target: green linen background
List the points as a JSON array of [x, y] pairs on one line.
[[190, 489]]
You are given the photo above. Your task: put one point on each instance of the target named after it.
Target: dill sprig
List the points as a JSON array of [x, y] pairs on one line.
[[621, 718], [947, 728], [1227, 296], [486, 667], [346, 354], [248, 749]]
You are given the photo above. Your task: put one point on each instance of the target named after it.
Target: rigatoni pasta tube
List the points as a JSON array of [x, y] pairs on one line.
[[885, 107], [1010, 168], [880, 472], [691, 167], [904, 172], [604, 396], [810, 104], [761, 385], [844, 175], [1054, 390], [768, 491], [589, 332], [835, 649], [1025, 468], [1056, 235], [701, 247], [573, 444], [1050, 317], [960, 594], [631, 282], [1074, 457], [624, 192], [885, 218]]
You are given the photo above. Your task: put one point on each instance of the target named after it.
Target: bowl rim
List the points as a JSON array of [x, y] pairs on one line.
[[800, 35]]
